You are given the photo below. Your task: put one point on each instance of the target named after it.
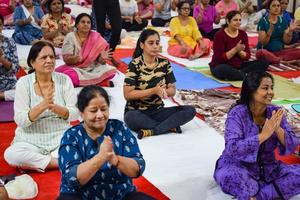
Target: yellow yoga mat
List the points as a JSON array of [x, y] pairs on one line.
[[283, 89]]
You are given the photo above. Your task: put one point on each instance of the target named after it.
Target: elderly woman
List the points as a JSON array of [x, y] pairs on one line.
[[84, 52], [148, 81], [9, 65], [231, 52], [131, 20], [99, 157], [248, 169], [206, 15], [44, 106], [56, 24], [27, 19], [273, 33], [186, 40]]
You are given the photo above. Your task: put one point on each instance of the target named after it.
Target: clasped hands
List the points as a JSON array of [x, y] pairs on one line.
[[161, 91], [273, 124], [107, 152]]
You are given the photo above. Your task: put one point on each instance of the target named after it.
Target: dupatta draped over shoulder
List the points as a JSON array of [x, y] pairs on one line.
[[89, 71]]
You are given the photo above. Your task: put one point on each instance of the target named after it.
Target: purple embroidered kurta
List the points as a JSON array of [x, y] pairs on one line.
[[247, 169]]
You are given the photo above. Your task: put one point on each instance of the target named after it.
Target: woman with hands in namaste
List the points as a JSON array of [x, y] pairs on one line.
[[254, 128]]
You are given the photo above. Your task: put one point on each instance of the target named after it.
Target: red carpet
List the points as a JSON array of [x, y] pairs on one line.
[[49, 182]]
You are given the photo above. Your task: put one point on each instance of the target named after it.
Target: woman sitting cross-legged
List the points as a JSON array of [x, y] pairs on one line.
[[56, 24], [231, 52], [273, 33], [186, 40], [99, 157], [84, 52], [9, 65], [44, 105], [131, 20], [148, 81], [27, 18], [254, 128]]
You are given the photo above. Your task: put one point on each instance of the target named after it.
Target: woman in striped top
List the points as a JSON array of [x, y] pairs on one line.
[[44, 106]]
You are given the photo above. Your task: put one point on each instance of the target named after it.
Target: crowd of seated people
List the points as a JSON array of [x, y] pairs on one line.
[[45, 100]]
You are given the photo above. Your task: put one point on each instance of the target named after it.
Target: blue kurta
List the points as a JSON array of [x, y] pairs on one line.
[[246, 168], [8, 78], [28, 33], [109, 182]]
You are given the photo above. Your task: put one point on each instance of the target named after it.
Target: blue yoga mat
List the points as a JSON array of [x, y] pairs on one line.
[[189, 80]]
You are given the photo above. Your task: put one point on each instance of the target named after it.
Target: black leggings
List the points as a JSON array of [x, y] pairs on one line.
[[161, 120], [129, 196], [134, 26], [159, 21], [111, 8], [209, 35], [229, 73]]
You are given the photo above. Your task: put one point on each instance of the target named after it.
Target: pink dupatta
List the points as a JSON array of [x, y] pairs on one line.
[[91, 48]]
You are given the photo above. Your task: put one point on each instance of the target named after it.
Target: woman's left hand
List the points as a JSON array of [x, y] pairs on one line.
[[106, 54], [278, 118]]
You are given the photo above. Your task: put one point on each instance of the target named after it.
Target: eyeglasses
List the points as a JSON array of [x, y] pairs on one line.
[[187, 9]]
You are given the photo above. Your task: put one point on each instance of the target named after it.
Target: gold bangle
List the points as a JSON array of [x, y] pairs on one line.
[[118, 161]]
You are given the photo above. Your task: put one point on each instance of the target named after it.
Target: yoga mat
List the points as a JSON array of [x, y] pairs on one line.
[[283, 89], [190, 80], [6, 111]]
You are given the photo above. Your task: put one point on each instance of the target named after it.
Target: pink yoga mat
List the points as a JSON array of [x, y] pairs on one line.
[[6, 111]]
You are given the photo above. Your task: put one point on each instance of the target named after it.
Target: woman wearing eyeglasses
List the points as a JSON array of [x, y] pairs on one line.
[[186, 41]]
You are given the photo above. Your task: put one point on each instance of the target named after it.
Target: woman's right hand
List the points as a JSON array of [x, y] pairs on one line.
[[160, 90], [49, 96], [106, 148], [183, 48], [272, 124], [240, 47]]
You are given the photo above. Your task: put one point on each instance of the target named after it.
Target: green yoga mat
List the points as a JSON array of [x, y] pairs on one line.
[[284, 89]]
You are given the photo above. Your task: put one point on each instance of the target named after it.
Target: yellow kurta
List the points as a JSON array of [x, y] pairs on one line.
[[189, 33]]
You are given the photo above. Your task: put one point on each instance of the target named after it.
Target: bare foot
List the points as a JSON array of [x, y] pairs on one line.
[[195, 56]]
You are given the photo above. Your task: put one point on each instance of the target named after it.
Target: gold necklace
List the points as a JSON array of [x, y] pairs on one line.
[[39, 86], [80, 40]]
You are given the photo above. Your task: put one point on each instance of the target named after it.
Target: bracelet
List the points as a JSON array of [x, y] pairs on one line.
[[29, 116], [65, 116], [118, 161]]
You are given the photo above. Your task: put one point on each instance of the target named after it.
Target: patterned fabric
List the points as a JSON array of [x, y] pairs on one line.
[[51, 24], [247, 168], [89, 70], [109, 182], [276, 40], [141, 77], [28, 33], [45, 132], [8, 78]]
